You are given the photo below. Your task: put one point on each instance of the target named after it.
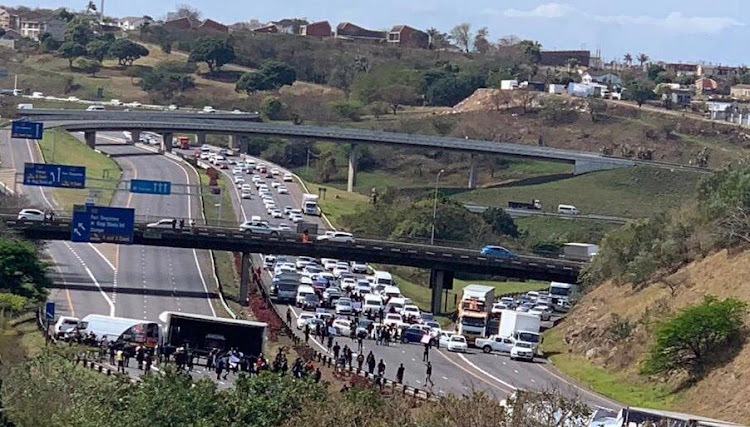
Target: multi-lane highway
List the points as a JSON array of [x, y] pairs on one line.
[[452, 373], [126, 281]]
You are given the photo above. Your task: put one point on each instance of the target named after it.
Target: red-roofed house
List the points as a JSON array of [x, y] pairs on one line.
[[706, 85], [183, 23], [210, 24], [317, 29], [404, 35]]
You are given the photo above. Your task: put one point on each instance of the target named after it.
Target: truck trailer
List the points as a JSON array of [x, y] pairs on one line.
[[522, 327], [534, 205], [580, 251], [205, 333], [474, 311]]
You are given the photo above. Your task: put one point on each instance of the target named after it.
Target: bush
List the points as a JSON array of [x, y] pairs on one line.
[[696, 338], [11, 304], [348, 110], [272, 107]]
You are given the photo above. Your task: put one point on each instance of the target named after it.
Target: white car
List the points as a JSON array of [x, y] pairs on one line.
[[282, 189], [297, 219], [73, 99], [239, 180], [237, 171], [31, 215], [115, 102], [163, 223], [361, 289], [328, 263], [276, 213], [343, 307], [134, 104], [246, 194], [259, 228], [498, 307], [247, 187], [275, 184], [303, 318], [347, 284], [339, 269], [543, 311], [337, 236], [275, 171], [208, 109], [411, 311], [522, 350], [287, 210], [359, 267], [284, 227], [287, 177], [342, 326], [393, 319], [172, 107], [456, 343]]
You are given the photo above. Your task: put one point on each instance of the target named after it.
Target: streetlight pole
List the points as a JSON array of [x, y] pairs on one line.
[[434, 207]]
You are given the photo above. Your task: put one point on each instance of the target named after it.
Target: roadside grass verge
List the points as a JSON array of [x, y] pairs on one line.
[[538, 229], [102, 172], [338, 203], [620, 387], [629, 192]]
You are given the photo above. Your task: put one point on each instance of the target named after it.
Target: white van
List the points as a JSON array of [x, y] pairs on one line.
[[383, 278], [302, 292], [95, 108], [65, 324], [372, 304], [391, 292], [567, 210], [137, 331]]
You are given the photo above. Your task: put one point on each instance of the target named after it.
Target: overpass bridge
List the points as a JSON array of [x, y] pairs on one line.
[[442, 262]]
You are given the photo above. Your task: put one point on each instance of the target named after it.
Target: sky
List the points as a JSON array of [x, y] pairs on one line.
[[668, 30]]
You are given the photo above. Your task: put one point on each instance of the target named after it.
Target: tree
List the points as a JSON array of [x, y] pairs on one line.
[[501, 222], [628, 59], [502, 98], [597, 108], [509, 40], [461, 35], [272, 107], [252, 82], [667, 127], [21, 271], [572, 63], [351, 110], [213, 51], [168, 79], [278, 73], [696, 337], [640, 91], [643, 58], [185, 11], [438, 40], [654, 70], [71, 50], [532, 50], [397, 95], [481, 44], [47, 43], [79, 31], [527, 98], [98, 49], [127, 51], [91, 66]]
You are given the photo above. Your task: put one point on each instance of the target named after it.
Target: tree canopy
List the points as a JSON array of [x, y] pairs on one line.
[[71, 50], [127, 51], [21, 270], [270, 75], [214, 51]]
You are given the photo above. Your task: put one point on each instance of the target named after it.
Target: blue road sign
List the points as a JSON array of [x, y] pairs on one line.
[[99, 224], [26, 130], [150, 187], [51, 175], [49, 311]]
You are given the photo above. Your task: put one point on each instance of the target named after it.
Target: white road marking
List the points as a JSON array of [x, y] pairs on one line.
[[486, 373]]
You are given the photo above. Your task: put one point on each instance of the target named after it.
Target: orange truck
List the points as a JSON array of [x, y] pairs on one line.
[[184, 142]]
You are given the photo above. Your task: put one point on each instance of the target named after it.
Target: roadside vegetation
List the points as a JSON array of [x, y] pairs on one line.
[[61, 147]]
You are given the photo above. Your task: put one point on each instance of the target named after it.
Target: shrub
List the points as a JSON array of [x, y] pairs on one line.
[[696, 338], [348, 110], [272, 107]]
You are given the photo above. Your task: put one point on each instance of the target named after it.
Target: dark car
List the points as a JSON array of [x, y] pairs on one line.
[[311, 302], [498, 252], [414, 334]]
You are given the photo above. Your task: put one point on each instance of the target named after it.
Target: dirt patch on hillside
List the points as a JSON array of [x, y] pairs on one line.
[[596, 329]]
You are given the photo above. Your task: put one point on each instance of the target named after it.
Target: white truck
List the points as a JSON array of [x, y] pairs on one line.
[[580, 251], [474, 311], [285, 285], [495, 343], [522, 327], [566, 293], [310, 204]]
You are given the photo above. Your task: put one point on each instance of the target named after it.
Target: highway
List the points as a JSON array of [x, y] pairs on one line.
[[452, 373], [126, 281], [522, 213]]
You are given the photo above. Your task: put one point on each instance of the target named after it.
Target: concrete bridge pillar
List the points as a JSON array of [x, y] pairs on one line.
[[135, 136], [473, 172], [200, 138], [352, 178], [244, 273], [234, 141], [90, 137], [166, 142], [440, 280]]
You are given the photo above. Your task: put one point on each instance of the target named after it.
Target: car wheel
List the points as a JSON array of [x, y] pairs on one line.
[[274, 234], [487, 349], [405, 340]]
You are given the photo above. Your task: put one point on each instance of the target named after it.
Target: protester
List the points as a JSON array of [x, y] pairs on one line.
[[400, 374]]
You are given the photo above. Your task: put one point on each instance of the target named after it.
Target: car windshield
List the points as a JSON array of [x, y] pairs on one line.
[[458, 339], [523, 345], [528, 337], [344, 303], [472, 321]]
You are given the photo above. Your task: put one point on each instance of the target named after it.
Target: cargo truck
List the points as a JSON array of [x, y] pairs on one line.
[[285, 286], [310, 204], [522, 327], [474, 311], [205, 333], [120, 330], [534, 205], [580, 251], [563, 292]]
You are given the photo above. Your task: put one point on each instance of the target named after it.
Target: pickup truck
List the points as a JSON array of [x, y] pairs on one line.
[[495, 343]]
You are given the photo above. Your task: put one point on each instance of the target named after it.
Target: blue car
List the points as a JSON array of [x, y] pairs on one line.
[[498, 251]]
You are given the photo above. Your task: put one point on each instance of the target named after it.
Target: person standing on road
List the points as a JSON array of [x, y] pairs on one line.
[[120, 359], [307, 333], [428, 375], [148, 360], [426, 354], [360, 361], [317, 375], [289, 315], [336, 349], [400, 374], [360, 344], [219, 368], [330, 342], [381, 368], [371, 363]]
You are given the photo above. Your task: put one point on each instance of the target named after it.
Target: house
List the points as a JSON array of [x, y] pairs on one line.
[[741, 91], [581, 90], [349, 31], [316, 29], [718, 110], [681, 69], [678, 97], [404, 35], [705, 85], [56, 27], [508, 84], [267, 29], [131, 23], [32, 29], [11, 35], [183, 23], [211, 25], [7, 20], [557, 89], [604, 78], [290, 25], [718, 72], [559, 58]]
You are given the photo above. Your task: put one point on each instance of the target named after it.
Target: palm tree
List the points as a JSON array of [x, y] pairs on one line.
[[643, 58], [628, 59]]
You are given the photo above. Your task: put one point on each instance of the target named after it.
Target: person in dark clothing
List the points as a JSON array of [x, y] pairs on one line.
[[307, 333], [336, 350], [360, 360], [426, 354], [428, 375], [182, 223], [289, 315], [360, 344], [371, 363], [219, 368], [381, 368], [317, 375], [400, 374], [148, 360], [330, 342]]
